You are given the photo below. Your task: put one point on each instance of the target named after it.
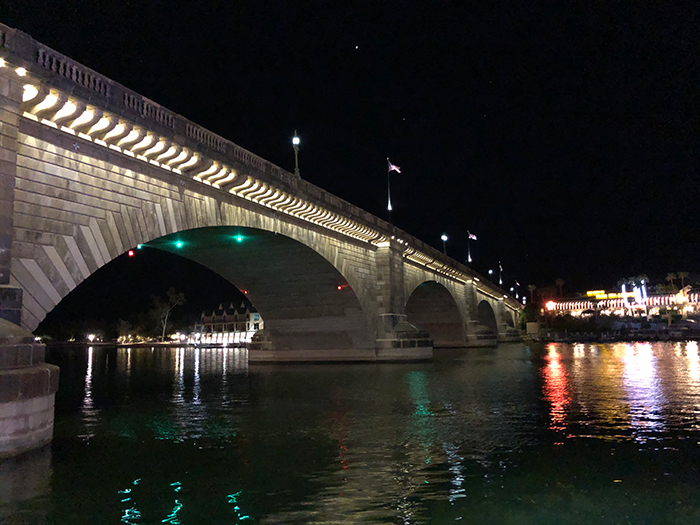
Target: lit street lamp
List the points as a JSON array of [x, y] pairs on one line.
[[491, 275], [444, 240], [295, 145]]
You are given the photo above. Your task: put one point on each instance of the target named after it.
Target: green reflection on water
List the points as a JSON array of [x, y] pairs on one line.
[[419, 392], [422, 415], [232, 499], [172, 517]]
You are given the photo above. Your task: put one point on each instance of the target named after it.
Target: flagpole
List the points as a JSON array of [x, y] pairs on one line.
[[469, 247], [388, 192]]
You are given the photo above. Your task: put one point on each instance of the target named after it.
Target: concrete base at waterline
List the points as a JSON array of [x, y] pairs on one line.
[[399, 341], [340, 356], [27, 389]]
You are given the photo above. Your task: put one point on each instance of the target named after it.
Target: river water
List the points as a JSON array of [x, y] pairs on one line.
[[550, 434]]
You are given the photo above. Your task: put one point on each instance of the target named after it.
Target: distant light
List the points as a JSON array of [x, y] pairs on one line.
[[595, 292], [245, 292], [295, 140], [91, 337], [340, 287], [550, 305], [2, 62], [443, 238], [239, 238], [21, 72], [178, 244], [139, 246], [490, 272], [131, 253]]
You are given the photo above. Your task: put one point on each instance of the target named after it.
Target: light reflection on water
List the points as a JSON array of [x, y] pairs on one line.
[[590, 433], [644, 394]]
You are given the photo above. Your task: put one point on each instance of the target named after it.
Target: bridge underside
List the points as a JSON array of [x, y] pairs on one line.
[[432, 308], [296, 291]]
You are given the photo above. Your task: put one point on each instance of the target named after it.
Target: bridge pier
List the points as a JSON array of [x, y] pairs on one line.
[[27, 384], [398, 340], [27, 390]]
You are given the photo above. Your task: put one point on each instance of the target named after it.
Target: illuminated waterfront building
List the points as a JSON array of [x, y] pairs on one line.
[[227, 325], [634, 303]]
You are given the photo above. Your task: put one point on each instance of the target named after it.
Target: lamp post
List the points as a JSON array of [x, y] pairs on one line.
[[444, 238], [295, 145]]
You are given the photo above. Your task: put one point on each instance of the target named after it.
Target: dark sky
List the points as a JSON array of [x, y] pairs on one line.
[[564, 135]]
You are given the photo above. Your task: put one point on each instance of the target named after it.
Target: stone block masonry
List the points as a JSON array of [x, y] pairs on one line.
[[28, 387]]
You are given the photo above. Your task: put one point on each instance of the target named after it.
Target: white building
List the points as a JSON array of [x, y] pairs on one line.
[[227, 325]]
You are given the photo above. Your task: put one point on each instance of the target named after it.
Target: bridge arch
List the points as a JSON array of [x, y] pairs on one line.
[[486, 316], [308, 305], [431, 307]]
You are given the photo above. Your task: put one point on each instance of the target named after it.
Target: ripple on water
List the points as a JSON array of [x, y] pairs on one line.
[[585, 433]]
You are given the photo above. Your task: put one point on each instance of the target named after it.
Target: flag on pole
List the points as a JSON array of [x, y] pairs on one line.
[[472, 236], [392, 167]]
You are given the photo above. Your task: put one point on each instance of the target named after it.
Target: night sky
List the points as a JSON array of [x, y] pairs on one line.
[[564, 135]]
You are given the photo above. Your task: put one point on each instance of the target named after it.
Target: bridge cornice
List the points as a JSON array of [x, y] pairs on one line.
[[70, 97]]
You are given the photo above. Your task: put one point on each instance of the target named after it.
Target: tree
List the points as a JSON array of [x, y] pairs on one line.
[[670, 277], [163, 309], [636, 280], [560, 284], [124, 329], [682, 276], [531, 288]]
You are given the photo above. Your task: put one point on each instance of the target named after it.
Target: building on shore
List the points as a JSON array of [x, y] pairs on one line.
[[634, 304], [227, 325]]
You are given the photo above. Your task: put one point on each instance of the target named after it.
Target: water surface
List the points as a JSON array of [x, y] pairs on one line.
[[517, 434]]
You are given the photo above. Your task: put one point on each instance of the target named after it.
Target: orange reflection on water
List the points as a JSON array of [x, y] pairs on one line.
[[556, 388]]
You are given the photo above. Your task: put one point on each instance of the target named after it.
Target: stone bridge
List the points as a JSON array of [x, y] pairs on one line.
[[90, 169]]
